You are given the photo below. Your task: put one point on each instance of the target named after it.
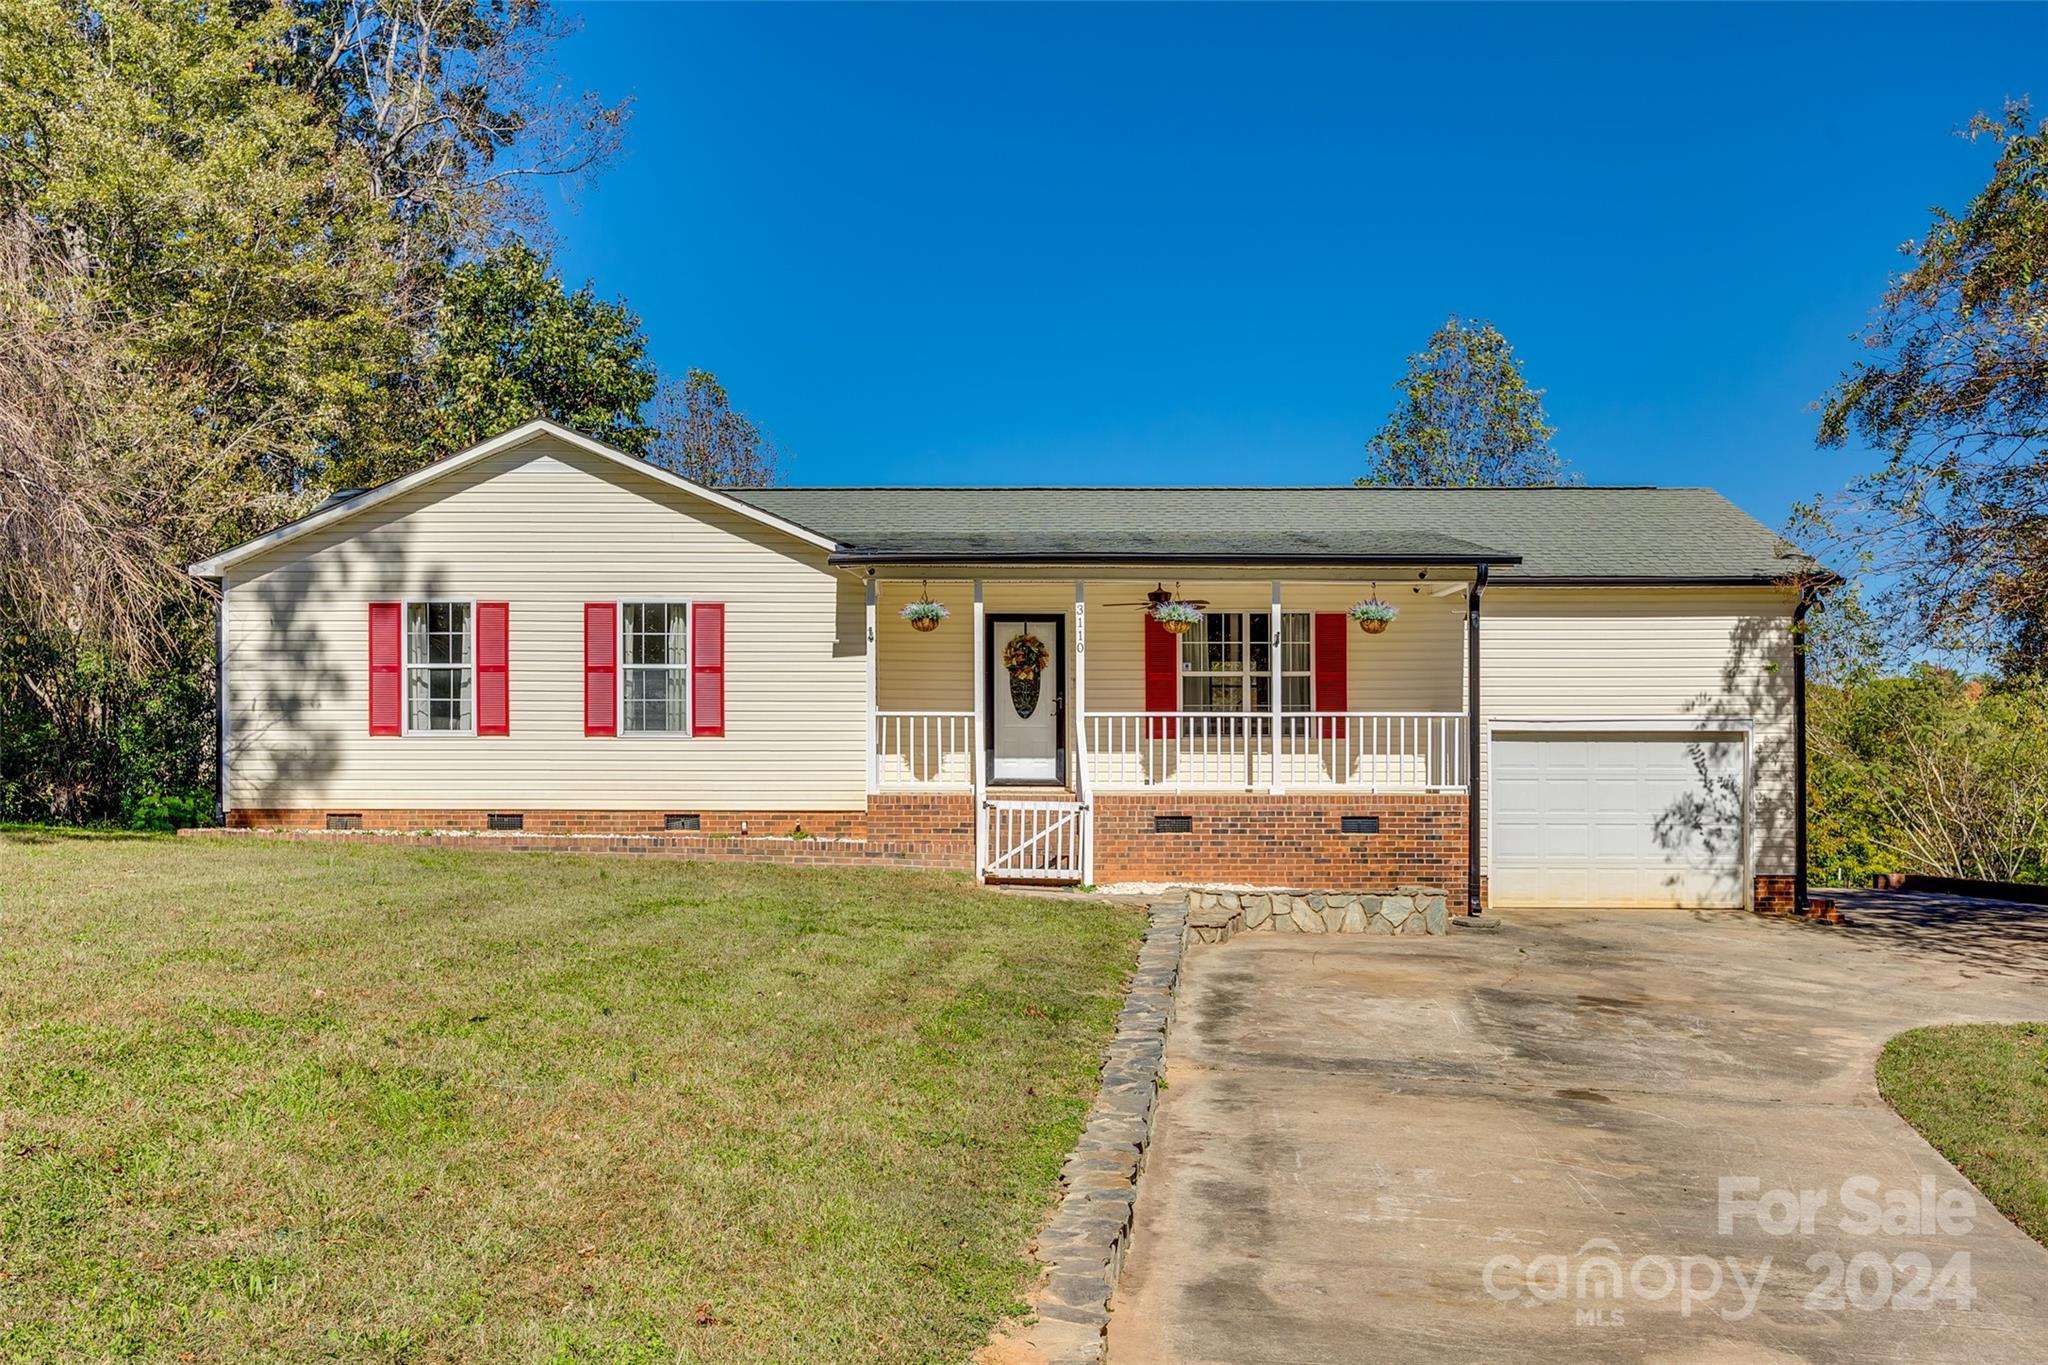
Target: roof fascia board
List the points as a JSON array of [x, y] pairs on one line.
[[859, 557], [213, 567], [1459, 575], [1788, 580]]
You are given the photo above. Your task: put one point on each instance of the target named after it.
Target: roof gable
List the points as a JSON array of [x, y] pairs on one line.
[[327, 516]]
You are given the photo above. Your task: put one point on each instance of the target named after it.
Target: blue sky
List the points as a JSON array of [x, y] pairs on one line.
[[980, 244]]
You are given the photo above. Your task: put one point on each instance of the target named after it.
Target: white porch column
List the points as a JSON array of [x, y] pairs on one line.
[[1080, 688], [1081, 728], [980, 746], [874, 666], [1273, 668]]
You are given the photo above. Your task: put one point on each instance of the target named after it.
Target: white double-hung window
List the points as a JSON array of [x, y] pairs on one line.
[[440, 668], [1227, 662], [655, 667]]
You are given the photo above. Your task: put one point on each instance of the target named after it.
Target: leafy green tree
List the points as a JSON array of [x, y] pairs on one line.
[[87, 736], [1954, 391], [511, 344], [702, 438], [1929, 772], [226, 234], [227, 242], [1467, 417], [246, 216]]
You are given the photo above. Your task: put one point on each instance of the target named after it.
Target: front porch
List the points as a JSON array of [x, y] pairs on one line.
[[1276, 693]]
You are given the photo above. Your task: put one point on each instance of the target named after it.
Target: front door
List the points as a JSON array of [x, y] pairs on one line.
[[1026, 698]]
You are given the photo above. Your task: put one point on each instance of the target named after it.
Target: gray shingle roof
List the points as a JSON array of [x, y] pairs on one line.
[[1624, 534]]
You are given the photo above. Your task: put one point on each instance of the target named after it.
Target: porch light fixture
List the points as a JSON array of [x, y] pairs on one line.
[[925, 614]]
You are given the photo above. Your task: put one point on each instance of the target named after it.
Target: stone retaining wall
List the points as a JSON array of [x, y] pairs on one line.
[[1215, 915], [1083, 1246]]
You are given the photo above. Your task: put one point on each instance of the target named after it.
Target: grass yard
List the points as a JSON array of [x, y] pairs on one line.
[[299, 1101], [1979, 1094]]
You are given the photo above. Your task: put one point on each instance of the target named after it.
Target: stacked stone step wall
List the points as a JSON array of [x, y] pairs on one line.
[[1214, 916]]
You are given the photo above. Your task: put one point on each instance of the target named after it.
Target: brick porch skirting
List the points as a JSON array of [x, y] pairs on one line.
[[1291, 840]]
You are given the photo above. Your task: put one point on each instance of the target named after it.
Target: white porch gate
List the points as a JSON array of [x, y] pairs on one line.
[[1036, 841]]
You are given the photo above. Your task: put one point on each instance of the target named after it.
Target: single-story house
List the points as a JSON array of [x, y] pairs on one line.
[[1587, 696]]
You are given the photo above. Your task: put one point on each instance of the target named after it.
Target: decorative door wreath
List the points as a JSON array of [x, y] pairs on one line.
[[1024, 659]]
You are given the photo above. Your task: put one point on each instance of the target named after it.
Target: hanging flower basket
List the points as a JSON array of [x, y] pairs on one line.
[[925, 614], [1178, 618], [1373, 615], [1025, 658]]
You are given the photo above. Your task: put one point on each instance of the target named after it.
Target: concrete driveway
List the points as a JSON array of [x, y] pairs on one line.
[[1356, 1129]]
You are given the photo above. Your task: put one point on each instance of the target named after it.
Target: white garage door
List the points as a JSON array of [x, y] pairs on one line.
[[1617, 819]]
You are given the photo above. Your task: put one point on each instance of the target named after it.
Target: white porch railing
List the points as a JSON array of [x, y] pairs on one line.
[[1327, 750], [916, 750]]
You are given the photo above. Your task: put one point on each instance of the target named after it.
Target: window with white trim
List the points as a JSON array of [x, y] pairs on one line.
[[655, 667], [440, 668], [1226, 662]]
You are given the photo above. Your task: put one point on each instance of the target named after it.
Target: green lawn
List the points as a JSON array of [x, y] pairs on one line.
[[1979, 1094], [270, 1101]]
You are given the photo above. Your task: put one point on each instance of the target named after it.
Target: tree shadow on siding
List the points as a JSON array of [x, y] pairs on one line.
[[289, 720], [1707, 821]]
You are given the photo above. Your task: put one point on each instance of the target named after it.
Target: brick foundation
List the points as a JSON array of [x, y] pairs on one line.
[[925, 855], [927, 830], [1292, 841], [931, 817], [1237, 837], [829, 824], [1776, 895]]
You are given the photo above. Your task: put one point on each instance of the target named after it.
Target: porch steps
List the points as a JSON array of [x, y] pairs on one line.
[[1035, 835]]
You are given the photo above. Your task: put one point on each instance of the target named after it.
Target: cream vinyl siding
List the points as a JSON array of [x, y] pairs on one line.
[[1700, 655], [545, 528]]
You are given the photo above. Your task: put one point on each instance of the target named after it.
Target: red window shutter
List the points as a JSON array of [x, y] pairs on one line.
[[600, 668], [707, 668], [493, 691], [1162, 675], [387, 670], [1332, 639]]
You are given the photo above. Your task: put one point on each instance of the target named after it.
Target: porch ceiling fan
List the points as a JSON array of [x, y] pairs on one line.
[[1160, 595]]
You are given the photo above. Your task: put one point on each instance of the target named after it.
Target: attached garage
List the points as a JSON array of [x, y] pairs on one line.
[[1619, 817]]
